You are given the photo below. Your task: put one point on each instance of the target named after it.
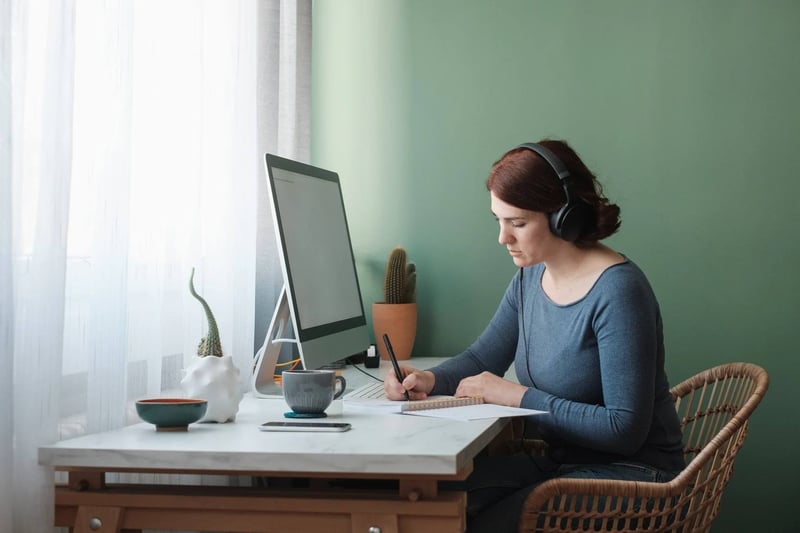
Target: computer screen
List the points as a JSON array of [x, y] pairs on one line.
[[321, 297]]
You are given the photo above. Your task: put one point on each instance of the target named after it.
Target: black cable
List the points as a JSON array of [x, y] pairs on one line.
[[523, 447], [524, 334], [376, 378]]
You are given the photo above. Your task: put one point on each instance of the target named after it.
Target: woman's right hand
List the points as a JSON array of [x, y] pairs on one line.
[[418, 383]]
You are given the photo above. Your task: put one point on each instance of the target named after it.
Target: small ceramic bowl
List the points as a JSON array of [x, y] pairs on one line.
[[171, 414]]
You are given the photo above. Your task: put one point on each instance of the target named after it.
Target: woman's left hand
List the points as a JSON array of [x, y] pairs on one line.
[[492, 389]]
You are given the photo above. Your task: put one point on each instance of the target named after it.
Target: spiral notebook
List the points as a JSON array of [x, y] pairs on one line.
[[440, 403], [450, 407]]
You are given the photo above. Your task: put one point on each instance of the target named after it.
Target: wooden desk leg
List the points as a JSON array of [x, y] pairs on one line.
[[94, 519]]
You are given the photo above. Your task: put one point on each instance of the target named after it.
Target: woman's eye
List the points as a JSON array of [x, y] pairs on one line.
[[517, 224]]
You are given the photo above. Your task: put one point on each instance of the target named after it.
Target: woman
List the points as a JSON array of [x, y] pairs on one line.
[[582, 327]]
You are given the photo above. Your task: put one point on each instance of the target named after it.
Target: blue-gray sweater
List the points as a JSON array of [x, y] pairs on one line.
[[595, 365]]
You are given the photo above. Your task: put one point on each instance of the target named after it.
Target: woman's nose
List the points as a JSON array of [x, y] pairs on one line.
[[504, 237]]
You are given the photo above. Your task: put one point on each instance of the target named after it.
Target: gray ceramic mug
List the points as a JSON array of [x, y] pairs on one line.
[[310, 392]]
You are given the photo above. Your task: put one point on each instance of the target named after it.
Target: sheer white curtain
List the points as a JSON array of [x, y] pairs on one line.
[[131, 151]]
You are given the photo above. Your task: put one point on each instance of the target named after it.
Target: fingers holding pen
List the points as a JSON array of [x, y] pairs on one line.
[[414, 384], [417, 383], [393, 388]]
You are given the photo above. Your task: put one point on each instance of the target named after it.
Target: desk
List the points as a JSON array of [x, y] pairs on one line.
[[414, 453]]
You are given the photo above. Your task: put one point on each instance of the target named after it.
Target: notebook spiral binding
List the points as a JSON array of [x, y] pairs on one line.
[[440, 403]]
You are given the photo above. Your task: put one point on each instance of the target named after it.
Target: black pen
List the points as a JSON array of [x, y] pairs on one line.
[[393, 359]]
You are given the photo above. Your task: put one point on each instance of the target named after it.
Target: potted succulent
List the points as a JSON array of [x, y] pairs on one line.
[[396, 315], [212, 375]]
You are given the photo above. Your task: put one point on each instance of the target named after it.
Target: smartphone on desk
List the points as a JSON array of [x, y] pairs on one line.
[[304, 426]]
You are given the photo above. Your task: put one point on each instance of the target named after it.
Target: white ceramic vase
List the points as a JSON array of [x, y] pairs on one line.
[[215, 379]]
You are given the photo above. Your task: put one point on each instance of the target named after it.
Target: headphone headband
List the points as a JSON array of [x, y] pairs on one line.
[[551, 158]]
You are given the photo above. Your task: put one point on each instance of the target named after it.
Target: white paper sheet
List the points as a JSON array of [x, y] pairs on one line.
[[464, 412], [475, 412]]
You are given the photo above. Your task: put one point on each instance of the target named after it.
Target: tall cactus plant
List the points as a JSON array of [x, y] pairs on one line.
[[210, 344], [400, 281]]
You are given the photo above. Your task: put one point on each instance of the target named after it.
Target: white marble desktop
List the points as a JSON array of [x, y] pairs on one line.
[[377, 444]]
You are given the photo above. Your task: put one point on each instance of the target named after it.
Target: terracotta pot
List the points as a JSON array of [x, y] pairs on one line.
[[399, 321]]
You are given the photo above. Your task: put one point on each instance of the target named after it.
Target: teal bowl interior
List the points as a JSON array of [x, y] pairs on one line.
[[171, 414]]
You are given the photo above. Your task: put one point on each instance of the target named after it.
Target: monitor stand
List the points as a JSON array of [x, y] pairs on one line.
[[266, 357]]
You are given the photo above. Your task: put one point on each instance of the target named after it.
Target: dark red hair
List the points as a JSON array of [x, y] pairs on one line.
[[525, 180]]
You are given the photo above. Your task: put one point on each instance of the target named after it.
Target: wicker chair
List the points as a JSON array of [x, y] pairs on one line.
[[714, 408]]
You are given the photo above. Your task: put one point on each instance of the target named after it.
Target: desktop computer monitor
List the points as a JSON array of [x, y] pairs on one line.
[[321, 297]]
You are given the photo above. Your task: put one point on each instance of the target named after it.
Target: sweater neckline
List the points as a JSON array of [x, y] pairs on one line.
[[625, 261]]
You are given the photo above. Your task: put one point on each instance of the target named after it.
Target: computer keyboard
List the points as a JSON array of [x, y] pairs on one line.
[[369, 391]]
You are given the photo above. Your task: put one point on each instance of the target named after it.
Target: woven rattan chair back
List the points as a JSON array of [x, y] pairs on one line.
[[714, 408]]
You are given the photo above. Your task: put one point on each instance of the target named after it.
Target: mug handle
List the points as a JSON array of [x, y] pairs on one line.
[[343, 384]]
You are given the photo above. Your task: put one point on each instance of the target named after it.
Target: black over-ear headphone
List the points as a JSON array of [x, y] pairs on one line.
[[568, 222]]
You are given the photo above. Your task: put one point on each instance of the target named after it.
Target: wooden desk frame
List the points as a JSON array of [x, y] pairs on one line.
[[87, 504]]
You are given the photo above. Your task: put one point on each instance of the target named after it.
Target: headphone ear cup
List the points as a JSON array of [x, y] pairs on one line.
[[568, 222], [555, 221]]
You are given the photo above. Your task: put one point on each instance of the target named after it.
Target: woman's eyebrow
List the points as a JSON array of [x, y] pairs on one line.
[[508, 218]]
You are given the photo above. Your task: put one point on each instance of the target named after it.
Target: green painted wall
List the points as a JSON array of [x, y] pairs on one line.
[[688, 111]]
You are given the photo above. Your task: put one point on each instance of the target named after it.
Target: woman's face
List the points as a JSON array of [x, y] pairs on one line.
[[525, 234]]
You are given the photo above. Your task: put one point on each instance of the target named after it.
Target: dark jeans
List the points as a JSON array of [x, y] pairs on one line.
[[499, 485]]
